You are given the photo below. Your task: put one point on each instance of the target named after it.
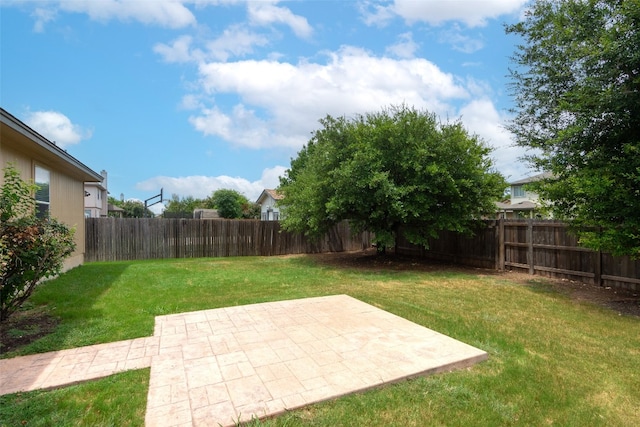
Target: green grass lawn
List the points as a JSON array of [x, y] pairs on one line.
[[552, 360]]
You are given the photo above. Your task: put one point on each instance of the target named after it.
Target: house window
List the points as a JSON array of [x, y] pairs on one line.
[[43, 181], [87, 213], [275, 216], [518, 191]]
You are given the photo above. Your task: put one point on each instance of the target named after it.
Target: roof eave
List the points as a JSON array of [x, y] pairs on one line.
[[16, 125]]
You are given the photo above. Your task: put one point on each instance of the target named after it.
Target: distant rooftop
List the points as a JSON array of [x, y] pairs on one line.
[[533, 178], [271, 192]]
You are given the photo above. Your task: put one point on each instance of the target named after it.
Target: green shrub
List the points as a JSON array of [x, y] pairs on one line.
[[31, 248]]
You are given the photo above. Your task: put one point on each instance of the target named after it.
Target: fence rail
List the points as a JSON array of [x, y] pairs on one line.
[[118, 239], [537, 247]]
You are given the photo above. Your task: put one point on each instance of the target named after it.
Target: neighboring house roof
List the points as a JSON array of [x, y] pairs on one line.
[[533, 178], [114, 208], [522, 206], [269, 192], [99, 185], [12, 129], [503, 205]]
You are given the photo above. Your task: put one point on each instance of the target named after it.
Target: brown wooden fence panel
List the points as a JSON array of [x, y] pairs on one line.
[[116, 239], [477, 250], [615, 268], [545, 248]]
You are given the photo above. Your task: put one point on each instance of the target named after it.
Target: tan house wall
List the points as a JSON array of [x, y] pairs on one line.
[[66, 184], [66, 197], [67, 204], [23, 163]]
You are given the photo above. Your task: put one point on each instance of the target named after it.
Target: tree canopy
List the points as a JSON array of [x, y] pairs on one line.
[[229, 203], [576, 90], [232, 204], [398, 168], [184, 205], [132, 208]]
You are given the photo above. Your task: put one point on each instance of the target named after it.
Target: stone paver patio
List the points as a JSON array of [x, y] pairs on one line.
[[216, 367]]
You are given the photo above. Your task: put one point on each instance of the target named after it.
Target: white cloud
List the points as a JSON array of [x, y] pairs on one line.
[[178, 51], [459, 41], [169, 13], [241, 126], [56, 127], [42, 17], [202, 3], [271, 177], [163, 13], [405, 47], [481, 117], [190, 102], [266, 13], [375, 13], [280, 103], [202, 186], [435, 12], [235, 41]]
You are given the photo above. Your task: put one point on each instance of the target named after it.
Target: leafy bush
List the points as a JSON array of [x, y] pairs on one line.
[[31, 248]]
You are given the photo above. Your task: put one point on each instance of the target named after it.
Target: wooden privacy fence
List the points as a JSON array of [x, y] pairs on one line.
[[117, 239], [537, 247]]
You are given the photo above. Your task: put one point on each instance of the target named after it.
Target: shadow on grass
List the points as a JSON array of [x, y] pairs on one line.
[[59, 312], [541, 287], [371, 261]]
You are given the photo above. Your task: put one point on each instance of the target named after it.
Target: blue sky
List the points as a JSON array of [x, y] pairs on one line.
[[196, 95]]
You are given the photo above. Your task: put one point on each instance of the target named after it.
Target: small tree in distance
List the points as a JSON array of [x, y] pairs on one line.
[[251, 210], [132, 208], [396, 169], [31, 248], [229, 203], [184, 205]]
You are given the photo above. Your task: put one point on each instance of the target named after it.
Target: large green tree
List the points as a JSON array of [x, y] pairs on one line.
[[398, 168], [229, 203], [576, 87]]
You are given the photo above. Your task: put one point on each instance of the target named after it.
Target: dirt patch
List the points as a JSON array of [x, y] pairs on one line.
[[622, 301], [24, 327]]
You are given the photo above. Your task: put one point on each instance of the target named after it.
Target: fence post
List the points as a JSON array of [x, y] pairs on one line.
[[597, 278], [500, 249], [530, 245]]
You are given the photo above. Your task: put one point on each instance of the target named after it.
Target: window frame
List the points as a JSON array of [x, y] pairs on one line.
[[518, 192], [42, 178]]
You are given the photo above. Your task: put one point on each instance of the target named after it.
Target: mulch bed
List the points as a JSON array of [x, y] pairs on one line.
[[24, 327]]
